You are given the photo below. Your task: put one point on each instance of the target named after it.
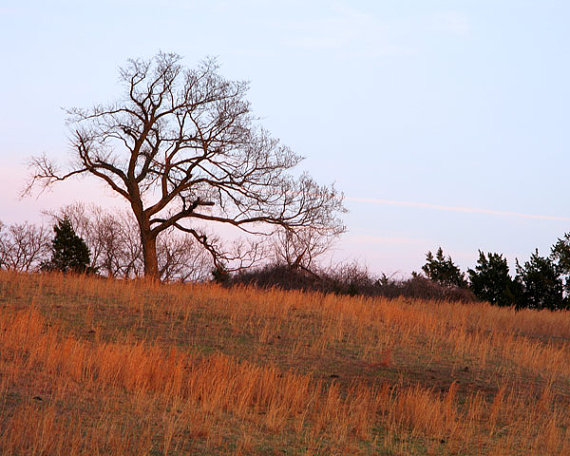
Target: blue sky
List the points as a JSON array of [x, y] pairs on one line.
[[444, 122]]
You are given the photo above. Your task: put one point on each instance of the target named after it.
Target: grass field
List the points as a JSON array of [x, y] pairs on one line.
[[92, 366]]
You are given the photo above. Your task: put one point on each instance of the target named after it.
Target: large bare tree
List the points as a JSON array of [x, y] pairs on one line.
[[183, 149]]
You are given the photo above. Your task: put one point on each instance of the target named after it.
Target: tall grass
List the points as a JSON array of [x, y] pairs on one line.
[[96, 366]]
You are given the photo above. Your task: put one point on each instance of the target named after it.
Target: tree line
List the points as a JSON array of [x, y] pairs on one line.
[[90, 239], [111, 247], [541, 282]]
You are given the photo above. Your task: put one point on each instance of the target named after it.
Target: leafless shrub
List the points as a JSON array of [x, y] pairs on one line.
[[419, 287], [347, 279]]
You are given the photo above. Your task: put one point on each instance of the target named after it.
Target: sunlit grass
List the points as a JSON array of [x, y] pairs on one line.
[[95, 366]]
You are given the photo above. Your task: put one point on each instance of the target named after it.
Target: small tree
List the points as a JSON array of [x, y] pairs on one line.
[[490, 280], [542, 287], [23, 246], [69, 251], [443, 271]]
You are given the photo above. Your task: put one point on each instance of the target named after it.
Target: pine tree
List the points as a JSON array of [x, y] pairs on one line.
[[443, 271], [69, 252], [542, 287], [490, 280], [560, 254]]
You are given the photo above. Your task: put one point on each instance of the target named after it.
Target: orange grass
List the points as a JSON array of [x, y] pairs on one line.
[[94, 366]]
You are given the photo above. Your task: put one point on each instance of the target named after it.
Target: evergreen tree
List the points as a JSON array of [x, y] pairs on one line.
[[69, 251], [560, 254], [443, 271], [542, 287], [490, 280]]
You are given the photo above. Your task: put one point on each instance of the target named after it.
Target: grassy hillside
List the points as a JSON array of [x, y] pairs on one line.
[[93, 366]]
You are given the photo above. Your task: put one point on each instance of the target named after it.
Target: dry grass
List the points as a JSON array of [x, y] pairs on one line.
[[92, 366]]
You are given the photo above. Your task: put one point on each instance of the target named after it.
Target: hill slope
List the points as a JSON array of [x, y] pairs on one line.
[[93, 366]]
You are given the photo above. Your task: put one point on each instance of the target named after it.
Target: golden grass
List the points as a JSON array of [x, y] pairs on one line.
[[94, 366]]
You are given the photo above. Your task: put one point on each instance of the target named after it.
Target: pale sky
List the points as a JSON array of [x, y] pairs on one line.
[[445, 123]]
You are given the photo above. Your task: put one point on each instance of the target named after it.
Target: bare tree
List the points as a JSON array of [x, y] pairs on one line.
[[23, 246], [116, 251], [109, 236], [180, 259], [183, 147], [299, 248]]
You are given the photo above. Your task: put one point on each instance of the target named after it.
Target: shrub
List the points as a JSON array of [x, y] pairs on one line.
[[348, 279]]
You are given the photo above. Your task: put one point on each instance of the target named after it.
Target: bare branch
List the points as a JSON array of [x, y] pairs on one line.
[[23, 247], [182, 147]]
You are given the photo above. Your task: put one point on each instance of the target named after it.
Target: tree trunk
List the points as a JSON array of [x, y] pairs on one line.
[[150, 257], [148, 240]]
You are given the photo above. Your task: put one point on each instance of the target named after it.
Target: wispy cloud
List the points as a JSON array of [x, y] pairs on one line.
[[469, 210]]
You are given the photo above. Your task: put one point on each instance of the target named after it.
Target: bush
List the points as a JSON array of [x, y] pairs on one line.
[[348, 279], [418, 287], [278, 275]]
